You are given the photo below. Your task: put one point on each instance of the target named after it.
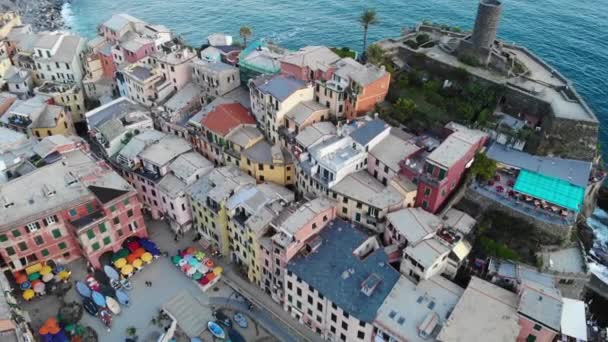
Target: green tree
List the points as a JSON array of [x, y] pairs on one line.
[[483, 167], [404, 109], [375, 55], [432, 86], [367, 19], [245, 32]]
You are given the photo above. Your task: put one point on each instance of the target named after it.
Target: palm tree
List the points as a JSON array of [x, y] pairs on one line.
[[368, 18], [245, 32]]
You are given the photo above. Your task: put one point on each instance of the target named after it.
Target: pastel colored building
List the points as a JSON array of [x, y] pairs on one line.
[[365, 200], [160, 167], [310, 63], [79, 208], [8, 20], [70, 96], [269, 163], [20, 81], [383, 160], [294, 229], [250, 212], [176, 66], [213, 124], [100, 70], [272, 97], [303, 115], [58, 57], [111, 124], [354, 89], [214, 78], [209, 196], [144, 84], [36, 118], [337, 284], [440, 172]]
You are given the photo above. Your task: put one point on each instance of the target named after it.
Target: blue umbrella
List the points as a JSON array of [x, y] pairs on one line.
[[25, 285], [47, 337], [111, 272], [122, 297], [60, 337], [147, 245], [83, 289], [99, 299]]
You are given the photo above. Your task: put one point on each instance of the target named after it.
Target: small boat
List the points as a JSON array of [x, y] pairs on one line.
[[216, 330], [241, 320], [83, 289], [126, 284], [106, 317], [122, 297], [92, 282], [113, 305], [99, 299], [89, 306], [111, 272]]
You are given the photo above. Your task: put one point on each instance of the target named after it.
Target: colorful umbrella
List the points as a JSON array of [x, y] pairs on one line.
[[126, 270], [191, 271], [203, 269], [218, 270], [137, 263], [133, 245], [98, 299], [176, 259], [28, 294], [34, 276], [194, 262], [191, 250], [44, 329], [111, 272], [58, 269], [83, 289], [182, 262], [33, 268], [199, 256], [138, 252], [209, 263], [146, 257], [25, 285], [197, 275], [188, 257], [64, 275], [46, 270], [20, 278], [47, 277], [120, 263], [39, 287]]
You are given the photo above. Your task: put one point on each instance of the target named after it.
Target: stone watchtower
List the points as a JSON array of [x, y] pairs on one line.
[[479, 44]]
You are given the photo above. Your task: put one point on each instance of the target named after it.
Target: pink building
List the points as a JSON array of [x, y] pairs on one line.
[[440, 172], [296, 226], [310, 63], [77, 207]]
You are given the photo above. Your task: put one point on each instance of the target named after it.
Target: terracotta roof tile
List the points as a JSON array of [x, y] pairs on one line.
[[227, 117]]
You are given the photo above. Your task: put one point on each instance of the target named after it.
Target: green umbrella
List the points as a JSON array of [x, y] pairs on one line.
[[34, 276], [71, 328], [197, 276], [175, 259], [123, 253]]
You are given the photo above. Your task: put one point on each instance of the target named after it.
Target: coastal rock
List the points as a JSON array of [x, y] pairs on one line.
[[43, 15]]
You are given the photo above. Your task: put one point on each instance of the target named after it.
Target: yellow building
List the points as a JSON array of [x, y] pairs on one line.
[[239, 140], [208, 197], [250, 213], [5, 64], [267, 163], [54, 120], [70, 96], [8, 20], [37, 118]]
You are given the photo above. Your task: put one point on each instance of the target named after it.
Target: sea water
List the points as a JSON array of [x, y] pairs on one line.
[[570, 35]]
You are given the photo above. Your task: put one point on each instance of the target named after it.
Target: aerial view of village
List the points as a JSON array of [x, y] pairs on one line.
[[439, 184]]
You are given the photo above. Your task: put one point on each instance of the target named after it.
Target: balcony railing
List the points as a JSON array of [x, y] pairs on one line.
[[87, 220]]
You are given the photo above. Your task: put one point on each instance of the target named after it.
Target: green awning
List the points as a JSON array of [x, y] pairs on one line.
[[552, 190]]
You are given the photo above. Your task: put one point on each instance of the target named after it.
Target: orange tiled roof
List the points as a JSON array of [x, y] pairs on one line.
[[227, 117]]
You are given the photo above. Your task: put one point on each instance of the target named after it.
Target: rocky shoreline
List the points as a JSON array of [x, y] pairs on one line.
[[43, 15]]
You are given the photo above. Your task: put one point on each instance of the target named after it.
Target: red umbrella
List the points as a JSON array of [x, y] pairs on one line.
[[20, 278], [131, 257], [133, 245], [139, 252]]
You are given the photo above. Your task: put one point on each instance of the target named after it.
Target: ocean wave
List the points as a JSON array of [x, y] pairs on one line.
[[68, 15]]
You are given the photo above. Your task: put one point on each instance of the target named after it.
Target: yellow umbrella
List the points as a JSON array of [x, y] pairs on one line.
[[146, 257], [218, 270], [33, 268], [46, 270], [126, 270], [64, 275], [137, 263], [120, 263], [28, 294]]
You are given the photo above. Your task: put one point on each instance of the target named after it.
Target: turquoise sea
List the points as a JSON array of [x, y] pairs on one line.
[[572, 35]]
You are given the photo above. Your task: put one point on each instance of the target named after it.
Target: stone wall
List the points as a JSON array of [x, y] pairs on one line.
[[569, 138], [553, 231]]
